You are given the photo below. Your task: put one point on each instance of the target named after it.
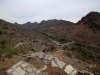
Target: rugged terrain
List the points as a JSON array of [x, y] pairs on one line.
[[87, 29], [78, 43], [55, 28]]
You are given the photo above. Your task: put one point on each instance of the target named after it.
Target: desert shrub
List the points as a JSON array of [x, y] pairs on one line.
[[8, 50], [3, 42], [73, 48], [22, 41], [80, 50], [33, 49], [62, 40]]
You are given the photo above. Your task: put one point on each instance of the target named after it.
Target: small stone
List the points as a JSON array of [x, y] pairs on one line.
[[43, 68], [24, 65], [41, 55], [29, 69], [38, 71], [47, 57], [34, 69]]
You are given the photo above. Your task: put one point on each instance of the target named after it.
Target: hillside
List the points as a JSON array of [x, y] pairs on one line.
[[87, 29], [13, 38], [56, 28]]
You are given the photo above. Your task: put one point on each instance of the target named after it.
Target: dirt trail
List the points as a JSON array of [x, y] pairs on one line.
[[18, 45]]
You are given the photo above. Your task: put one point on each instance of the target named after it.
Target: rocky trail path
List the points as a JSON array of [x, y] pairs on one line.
[[39, 63]]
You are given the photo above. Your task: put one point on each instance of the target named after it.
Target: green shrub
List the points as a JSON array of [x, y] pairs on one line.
[[33, 49], [8, 50]]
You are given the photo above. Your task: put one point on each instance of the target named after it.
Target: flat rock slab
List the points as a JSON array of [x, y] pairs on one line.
[[74, 72], [60, 64], [16, 65], [18, 71], [69, 69], [54, 64]]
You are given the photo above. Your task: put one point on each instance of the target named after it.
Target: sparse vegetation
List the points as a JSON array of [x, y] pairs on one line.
[[33, 49], [62, 40], [22, 41], [7, 50], [3, 42]]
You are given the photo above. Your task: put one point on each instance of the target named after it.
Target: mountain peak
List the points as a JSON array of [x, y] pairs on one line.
[[92, 20]]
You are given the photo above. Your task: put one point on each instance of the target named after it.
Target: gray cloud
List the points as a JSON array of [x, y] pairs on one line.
[[22, 11]]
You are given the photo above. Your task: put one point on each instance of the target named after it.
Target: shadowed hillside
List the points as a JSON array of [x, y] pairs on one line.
[[87, 29]]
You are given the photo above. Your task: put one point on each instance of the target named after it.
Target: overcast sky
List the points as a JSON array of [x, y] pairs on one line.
[[22, 11]]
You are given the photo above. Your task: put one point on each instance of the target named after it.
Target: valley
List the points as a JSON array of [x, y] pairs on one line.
[[76, 44]]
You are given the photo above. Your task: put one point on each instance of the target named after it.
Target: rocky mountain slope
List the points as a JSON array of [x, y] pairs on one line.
[[31, 36], [12, 37], [53, 27], [87, 29]]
